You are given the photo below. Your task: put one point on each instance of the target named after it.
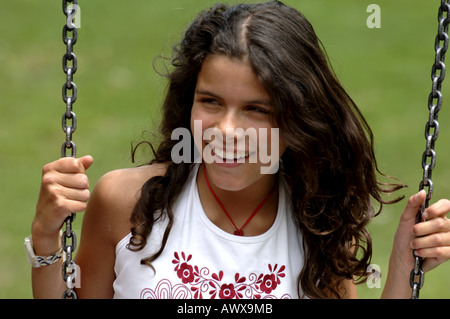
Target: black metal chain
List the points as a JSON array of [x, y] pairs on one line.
[[417, 275], [69, 125]]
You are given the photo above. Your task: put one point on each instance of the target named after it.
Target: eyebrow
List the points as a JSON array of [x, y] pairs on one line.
[[259, 102]]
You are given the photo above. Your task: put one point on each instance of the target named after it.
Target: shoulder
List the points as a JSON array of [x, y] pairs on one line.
[[128, 180], [114, 197], [105, 222]]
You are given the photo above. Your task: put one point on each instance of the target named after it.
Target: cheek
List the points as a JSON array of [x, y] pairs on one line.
[[197, 114], [201, 121]]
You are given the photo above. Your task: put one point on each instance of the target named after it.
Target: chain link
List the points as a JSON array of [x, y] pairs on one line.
[[417, 275], [69, 125]]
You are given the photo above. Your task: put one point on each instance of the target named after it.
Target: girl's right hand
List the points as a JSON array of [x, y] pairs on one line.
[[64, 190]]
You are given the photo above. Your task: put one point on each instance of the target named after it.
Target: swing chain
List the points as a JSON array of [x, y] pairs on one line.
[[69, 125], [69, 85], [432, 131]]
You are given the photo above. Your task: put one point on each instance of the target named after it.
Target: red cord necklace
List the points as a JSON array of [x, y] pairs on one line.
[[238, 231]]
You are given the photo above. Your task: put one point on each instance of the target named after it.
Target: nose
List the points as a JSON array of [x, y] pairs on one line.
[[228, 120], [230, 126]]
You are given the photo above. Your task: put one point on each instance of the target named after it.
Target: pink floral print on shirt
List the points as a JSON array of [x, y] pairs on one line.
[[197, 283]]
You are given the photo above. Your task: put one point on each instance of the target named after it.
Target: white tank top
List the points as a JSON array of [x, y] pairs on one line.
[[201, 260]]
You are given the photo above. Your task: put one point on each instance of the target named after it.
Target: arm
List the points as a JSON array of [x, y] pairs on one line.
[[106, 221], [64, 189], [430, 239]]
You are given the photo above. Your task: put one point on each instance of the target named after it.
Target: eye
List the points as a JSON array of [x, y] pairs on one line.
[[210, 101], [258, 109]]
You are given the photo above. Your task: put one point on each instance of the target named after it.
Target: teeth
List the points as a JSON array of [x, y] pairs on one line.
[[230, 155], [241, 154]]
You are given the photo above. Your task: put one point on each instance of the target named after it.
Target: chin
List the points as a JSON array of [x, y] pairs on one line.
[[233, 178]]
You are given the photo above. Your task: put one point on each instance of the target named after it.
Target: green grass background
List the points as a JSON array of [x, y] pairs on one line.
[[386, 71]]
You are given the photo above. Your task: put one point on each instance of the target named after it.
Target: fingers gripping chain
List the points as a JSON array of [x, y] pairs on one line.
[[432, 130], [69, 125]]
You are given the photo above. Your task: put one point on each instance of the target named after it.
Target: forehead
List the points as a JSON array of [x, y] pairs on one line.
[[230, 78]]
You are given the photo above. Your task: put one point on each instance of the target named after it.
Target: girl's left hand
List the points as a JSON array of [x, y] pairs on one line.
[[430, 238]]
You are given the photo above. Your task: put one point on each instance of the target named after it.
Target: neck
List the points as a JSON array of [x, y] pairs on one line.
[[240, 204]]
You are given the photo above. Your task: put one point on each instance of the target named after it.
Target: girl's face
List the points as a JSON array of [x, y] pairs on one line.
[[233, 112]]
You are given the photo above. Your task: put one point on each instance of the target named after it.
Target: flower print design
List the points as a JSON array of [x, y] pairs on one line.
[[202, 283], [185, 273], [270, 281], [227, 291], [165, 290], [184, 270]]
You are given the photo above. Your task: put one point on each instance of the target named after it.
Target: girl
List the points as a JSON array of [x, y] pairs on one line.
[[220, 228]]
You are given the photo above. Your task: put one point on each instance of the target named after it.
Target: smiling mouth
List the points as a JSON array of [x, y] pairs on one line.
[[222, 155], [231, 155]]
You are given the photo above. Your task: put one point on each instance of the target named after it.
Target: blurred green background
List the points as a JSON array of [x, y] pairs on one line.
[[386, 71]]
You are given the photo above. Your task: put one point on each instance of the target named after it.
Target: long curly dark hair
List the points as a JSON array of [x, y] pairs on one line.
[[329, 165]]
